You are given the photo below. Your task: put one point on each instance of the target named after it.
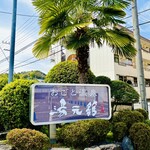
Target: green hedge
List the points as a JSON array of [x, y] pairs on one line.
[[83, 133]]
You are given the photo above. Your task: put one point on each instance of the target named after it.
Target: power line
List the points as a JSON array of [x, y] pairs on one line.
[[140, 24], [23, 15], [38, 59], [4, 54], [23, 26], [28, 58], [20, 50], [4, 71], [138, 13], [24, 61], [26, 36], [144, 23], [31, 16]]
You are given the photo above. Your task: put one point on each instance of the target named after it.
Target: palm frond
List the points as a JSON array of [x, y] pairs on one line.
[[73, 42], [41, 48], [127, 51], [72, 28], [117, 3], [108, 16], [116, 38], [112, 11], [53, 22], [119, 40]]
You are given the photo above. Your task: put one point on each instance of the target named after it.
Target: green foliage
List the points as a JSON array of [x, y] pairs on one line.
[[128, 117], [143, 112], [4, 75], [147, 122], [27, 139], [32, 75], [140, 135], [109, 137], [66, 72], [44, 129], [102, 80], [119, 131], [14, 104], [25, 75], [123, 92], [83, 133], [1, 128], [3, 82]]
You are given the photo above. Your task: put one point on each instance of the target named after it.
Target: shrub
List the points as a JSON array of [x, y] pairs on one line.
[[66, 72], [128, 117], [143, 112], [3, 82], [110, 137], [83, 133], [27, 139], [119, 130], [102, 80], [14, 104], [140, 135], [147, 122]]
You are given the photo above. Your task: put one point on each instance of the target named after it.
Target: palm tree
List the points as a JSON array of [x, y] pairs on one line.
[[77, 23]]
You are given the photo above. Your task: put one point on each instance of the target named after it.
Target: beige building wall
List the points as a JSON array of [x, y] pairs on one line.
[[102, 61]]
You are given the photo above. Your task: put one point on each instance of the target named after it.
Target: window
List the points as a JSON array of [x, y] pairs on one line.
[[135, 82], [147, 82], [116, 58], [123, 78], [129, 62]]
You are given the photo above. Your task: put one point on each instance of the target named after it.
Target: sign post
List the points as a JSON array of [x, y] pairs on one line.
[[62, 103], [52, 133]]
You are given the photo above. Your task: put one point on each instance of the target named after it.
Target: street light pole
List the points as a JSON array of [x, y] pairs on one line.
[[12, 44], [139, 60]]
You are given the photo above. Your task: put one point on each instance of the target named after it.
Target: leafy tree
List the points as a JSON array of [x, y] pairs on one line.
[[32, 75], [77, 23], [68, 73], [122, 92]]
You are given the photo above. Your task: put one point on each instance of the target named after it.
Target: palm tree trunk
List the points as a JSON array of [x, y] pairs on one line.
[[82, 55]]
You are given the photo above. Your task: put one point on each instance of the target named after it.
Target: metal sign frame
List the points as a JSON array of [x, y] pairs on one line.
[[43, 103]]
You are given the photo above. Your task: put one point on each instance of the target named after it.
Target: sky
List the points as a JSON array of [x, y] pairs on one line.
[[27, 32]]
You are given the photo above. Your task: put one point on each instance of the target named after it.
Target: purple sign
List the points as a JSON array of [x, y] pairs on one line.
[[62, 103]]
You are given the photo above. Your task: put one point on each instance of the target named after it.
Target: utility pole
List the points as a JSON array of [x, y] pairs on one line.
[[12, 44], [139, 60]]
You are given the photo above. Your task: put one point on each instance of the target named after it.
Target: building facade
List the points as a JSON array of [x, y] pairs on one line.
[[104, 62]]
